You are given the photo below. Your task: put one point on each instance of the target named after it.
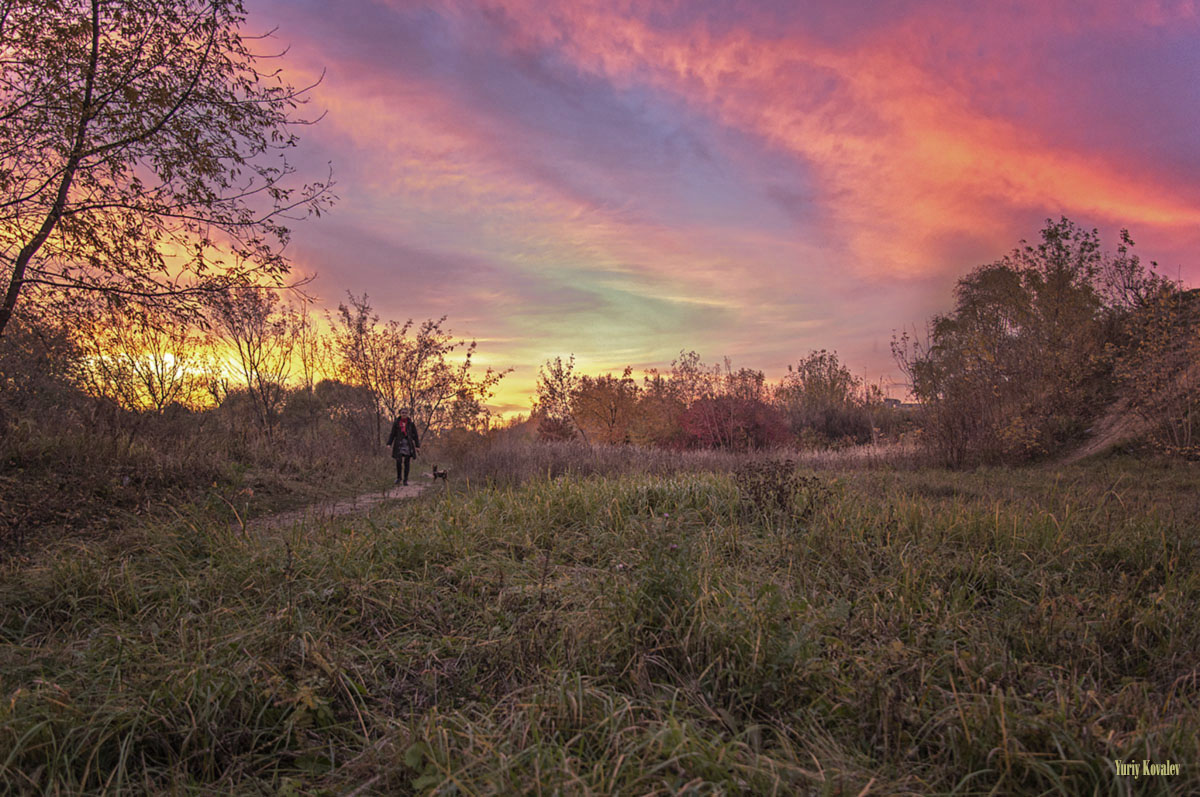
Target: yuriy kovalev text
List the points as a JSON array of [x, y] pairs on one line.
[[1146, 767]]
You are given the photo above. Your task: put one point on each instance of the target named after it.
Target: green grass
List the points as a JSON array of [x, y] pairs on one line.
[[1001, 631]]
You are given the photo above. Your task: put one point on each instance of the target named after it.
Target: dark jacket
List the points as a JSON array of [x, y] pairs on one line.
[[406, 443]]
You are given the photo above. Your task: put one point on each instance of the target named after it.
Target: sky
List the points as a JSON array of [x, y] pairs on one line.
[[625, 179]]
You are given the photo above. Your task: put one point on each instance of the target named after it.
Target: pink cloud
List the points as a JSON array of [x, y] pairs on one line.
[[903, 157], [672, 174]]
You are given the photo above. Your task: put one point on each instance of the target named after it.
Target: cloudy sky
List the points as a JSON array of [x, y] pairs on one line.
[[623, 179]]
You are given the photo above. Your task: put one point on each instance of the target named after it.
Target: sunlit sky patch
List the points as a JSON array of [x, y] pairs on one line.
[[623, 180]]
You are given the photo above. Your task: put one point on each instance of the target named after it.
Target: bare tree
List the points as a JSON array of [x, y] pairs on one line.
[[142, 152], [362, 355], [312, 349], [262, 331], [440, 391], [140, 362], [427, 371]]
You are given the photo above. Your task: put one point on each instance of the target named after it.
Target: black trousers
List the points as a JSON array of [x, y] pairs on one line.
[[402, 463]]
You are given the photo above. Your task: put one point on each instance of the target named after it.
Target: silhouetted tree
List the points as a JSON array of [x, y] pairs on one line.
[[262, 332], [40, 362], [426, 370], [141, 363], [133, 137]]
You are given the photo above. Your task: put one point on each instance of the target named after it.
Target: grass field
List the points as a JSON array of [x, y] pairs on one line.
[[867, 631], [69, 484]]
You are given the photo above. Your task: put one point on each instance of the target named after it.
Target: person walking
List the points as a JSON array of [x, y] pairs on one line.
[[404, 443]]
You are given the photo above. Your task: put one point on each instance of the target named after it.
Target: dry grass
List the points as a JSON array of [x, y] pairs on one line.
[[1006, 632], [68, 482], [511, 462]]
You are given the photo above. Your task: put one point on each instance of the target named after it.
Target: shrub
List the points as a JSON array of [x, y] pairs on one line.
[[777, 488]]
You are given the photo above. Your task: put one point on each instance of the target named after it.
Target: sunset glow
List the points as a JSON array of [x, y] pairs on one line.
[[623, 180]]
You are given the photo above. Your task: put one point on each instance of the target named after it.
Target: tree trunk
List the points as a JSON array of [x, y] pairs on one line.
[[25, 256]]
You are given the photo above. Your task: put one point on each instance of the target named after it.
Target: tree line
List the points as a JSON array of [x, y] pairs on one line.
[[1055, 343], [818, 403], [1042, 349], [258, 357]]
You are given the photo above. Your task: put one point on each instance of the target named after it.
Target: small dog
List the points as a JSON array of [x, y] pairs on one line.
[[439, 474]]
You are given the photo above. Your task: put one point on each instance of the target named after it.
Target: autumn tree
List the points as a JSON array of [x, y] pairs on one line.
[[1159, 370], [358, 350], [1019, 368], [142, 147], [142, 363], [312, 349], [732, 410], [262, 332], [554, 394], [1127, 284], [605, 405], [439, 382], [351, 408], [690, 379], [656, 420], [664, 399], [824, 401], [40, 362], [423, 368]]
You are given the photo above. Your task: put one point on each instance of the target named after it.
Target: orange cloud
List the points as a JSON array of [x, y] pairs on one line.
[[902, 160]]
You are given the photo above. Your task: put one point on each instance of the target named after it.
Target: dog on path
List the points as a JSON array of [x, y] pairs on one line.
[[439, 474]]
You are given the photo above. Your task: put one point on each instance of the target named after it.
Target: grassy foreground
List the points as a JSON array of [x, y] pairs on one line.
[[882, 632]]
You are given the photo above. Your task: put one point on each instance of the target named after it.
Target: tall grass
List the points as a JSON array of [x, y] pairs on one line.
[[512, 461], [70, 481], [1008, 632]]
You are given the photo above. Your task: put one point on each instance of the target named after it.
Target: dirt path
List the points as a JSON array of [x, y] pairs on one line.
[[1119, 425], [327, 510]]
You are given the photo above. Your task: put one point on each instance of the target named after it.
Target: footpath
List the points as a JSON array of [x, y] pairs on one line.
[[321, 512]]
